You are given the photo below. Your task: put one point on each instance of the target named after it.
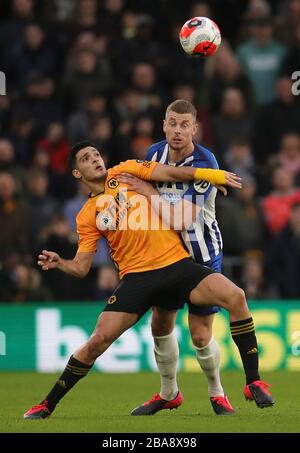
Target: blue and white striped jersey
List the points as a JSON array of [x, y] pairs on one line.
[[203, 239]]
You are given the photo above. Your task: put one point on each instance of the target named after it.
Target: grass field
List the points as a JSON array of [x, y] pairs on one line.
[[102, 403]]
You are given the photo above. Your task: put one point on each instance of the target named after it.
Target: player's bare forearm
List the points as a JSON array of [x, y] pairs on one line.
[[78, 267], [167, 173]]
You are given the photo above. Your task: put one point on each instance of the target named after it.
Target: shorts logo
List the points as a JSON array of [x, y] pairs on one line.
[[113, 183], [112, 300]]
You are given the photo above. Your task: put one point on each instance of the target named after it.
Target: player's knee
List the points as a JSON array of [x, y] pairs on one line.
[[238, 301], [201, 337], [98, 342], [160, 328]]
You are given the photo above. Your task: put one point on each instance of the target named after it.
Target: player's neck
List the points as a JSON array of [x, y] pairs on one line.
[[96, 187], [176, 155]]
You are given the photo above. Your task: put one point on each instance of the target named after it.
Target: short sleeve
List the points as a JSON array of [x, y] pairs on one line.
[[89, 235], [141, 168]]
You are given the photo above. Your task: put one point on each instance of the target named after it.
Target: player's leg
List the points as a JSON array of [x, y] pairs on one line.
[[166, 350], [132, 298], [109, 327], [216, 289], [166, 356], [208, 356]]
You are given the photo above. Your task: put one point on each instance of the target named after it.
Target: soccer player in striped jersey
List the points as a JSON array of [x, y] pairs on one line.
[[203, 240]]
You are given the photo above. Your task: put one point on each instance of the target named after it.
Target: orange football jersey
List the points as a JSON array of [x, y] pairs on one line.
[[134, 231]]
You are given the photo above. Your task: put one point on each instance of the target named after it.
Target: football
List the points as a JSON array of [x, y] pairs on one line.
[[200, 36]]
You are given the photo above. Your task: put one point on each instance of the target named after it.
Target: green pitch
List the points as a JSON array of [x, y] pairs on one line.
[[102, 403]]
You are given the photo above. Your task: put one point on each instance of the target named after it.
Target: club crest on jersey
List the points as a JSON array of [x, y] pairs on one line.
[[201, 186], [113, 183]]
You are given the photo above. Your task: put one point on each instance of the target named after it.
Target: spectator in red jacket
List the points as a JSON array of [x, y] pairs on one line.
[[277, 205]]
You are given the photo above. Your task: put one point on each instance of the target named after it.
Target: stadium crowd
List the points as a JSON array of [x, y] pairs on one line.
[[105, 71]]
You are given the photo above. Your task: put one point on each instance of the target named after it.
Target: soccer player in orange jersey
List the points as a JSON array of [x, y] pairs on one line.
[[154, 266]]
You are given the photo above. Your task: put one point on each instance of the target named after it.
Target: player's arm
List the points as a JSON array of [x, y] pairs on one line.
[[79, 266], [168, 173], [178, 216], [153, 171]]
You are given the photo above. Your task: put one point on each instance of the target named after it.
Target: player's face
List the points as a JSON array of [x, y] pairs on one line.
[[180, 129], [90, 164]]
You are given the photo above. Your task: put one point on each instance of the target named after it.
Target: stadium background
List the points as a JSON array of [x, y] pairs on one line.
[[105, 71]]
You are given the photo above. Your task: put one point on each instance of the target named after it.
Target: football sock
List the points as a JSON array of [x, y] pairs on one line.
[[243, 334], [74, 371], [166, 355], [209, 360]]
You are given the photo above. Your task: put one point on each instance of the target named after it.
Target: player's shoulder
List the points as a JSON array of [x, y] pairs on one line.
[[203, 157], [155, 151]]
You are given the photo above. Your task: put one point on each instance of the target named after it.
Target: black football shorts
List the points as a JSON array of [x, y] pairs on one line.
[[168, 287]]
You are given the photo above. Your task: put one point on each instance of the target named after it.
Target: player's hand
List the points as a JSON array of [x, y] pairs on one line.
[[222, 189], [136, 184], [232, 180], [48, 260]]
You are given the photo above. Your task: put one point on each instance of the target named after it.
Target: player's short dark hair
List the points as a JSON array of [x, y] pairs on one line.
[[182, 106], [75, 149]]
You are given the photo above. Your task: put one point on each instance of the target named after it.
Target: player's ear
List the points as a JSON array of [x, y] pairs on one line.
[[164, 125], [195, 128], [76, 173]]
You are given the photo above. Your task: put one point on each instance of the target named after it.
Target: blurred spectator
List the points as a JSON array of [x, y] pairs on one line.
[[20, 135], [33, 55], [39, 103], [289, 153], [85, 17], [13, 219], [41, 206], [145, 82], [8, 164], [12, 28], [284, 257], [241, 221], [107, 281], [101, 134], [143, 46], [59, 237], [79, 124], [239, 157], [57, 147], [110, 16], [217, 80], [83, 78], [277, 205], [253, 278], [233, 120], [275, 119], [261, 56], [25, 286]]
